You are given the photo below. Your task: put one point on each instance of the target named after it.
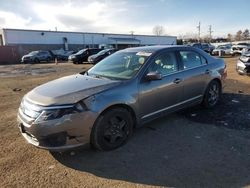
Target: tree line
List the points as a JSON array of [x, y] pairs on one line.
[[159, 30], [240, 35]]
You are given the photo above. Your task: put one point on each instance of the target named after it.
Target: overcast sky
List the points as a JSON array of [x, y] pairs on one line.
[[178, 17]]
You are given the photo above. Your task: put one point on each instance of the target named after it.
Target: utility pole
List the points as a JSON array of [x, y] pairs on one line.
[[199, 31], [210, 32]]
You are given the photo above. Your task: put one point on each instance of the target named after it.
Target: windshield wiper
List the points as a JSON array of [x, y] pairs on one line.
[[101, 76]]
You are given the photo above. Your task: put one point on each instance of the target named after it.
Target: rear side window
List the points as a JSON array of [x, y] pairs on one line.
[[192, 59], [197, 45], [165, 64]]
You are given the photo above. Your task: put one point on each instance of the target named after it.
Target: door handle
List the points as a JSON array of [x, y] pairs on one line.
[[177, 80], [207, 71]]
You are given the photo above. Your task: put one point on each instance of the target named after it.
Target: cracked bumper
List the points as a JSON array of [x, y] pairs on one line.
[[68, 132]]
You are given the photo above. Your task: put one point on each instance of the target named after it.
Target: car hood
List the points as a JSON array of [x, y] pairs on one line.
[[27, 56], [68, 90], [93, 56]]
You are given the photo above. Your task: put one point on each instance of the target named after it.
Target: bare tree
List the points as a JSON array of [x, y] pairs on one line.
[[158, 30], [229, 37], [245, 34], [238, 35]]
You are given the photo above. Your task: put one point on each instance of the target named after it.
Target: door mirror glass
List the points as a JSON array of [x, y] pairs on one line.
[[153, 76]]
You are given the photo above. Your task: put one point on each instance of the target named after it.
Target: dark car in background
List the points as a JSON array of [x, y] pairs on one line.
[[100, 55], [82, 55], [37, 57], [103, 105], [204, 46], [243, 64], [62, 55]]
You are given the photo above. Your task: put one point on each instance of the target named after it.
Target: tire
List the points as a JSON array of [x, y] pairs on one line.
[[212, 95], [36, 60], [112, 129], [48, 59]]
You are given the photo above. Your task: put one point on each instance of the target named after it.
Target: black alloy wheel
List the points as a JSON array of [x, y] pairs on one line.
[[212, 95], [112, 129]]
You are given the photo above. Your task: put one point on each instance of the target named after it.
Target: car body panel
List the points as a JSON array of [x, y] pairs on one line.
[[145, 99], [155, 96], [70, 88]]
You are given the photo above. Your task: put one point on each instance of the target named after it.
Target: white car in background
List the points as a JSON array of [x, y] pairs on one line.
[[243, 64], [246, 50], [238, 48], [224, 49]]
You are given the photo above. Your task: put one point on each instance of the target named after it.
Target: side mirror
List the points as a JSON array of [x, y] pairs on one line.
[[153, 76]]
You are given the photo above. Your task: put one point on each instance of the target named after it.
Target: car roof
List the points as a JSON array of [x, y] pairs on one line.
[[153, 49]]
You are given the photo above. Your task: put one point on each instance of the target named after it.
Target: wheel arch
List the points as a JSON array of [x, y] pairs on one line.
[[126, 107], [214, 79], [218, 81]]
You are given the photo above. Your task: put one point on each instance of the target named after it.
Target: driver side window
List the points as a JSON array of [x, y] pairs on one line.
[[165, 63]]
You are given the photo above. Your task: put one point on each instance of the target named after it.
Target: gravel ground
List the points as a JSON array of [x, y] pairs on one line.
[[191, 148]]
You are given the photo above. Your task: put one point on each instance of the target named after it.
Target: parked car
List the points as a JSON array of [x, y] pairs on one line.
[[246, 50], [224, 49], [100, 55], [238, 48], [62, 55], [37, 57], [121, 92], [82, 55], [65, 56], [204, 46], [243, 64]]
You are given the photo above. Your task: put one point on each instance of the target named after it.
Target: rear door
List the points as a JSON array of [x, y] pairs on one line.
[[160, 96], [195, 75]]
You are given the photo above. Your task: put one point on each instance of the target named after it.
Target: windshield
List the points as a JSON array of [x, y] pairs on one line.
[[122, 65], [33, 53], [102, 52], [223, 47], [80, 52]]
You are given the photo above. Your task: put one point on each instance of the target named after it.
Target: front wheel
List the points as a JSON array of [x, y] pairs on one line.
[[112, 129], [212, 94]]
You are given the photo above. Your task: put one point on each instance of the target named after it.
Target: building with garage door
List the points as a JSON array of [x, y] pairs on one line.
[[28, 40]]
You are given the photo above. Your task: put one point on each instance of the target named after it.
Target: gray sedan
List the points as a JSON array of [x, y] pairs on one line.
[[103, 105]]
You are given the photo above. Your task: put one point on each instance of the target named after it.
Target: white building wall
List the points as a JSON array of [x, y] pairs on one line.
[[14, 36]]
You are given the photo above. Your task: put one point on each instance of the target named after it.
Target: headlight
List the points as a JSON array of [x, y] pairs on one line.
[[56, 113]]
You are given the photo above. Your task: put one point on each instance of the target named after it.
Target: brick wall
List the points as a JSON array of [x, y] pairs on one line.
[[9, 55]]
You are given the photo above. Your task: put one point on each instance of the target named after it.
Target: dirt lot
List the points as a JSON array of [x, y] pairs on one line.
[[191, 148]]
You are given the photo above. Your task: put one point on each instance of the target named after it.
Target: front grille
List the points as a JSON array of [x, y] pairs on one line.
[[54, 140]]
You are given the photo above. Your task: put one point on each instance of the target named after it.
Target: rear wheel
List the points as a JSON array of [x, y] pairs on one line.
[[36, 61], [212, 95], [112, 129]]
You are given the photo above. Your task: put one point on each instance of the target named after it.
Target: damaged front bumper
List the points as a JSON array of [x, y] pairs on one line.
[[243, 68], [69, 131]]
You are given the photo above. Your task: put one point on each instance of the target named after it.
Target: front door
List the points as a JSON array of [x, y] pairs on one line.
[[159, 96]]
